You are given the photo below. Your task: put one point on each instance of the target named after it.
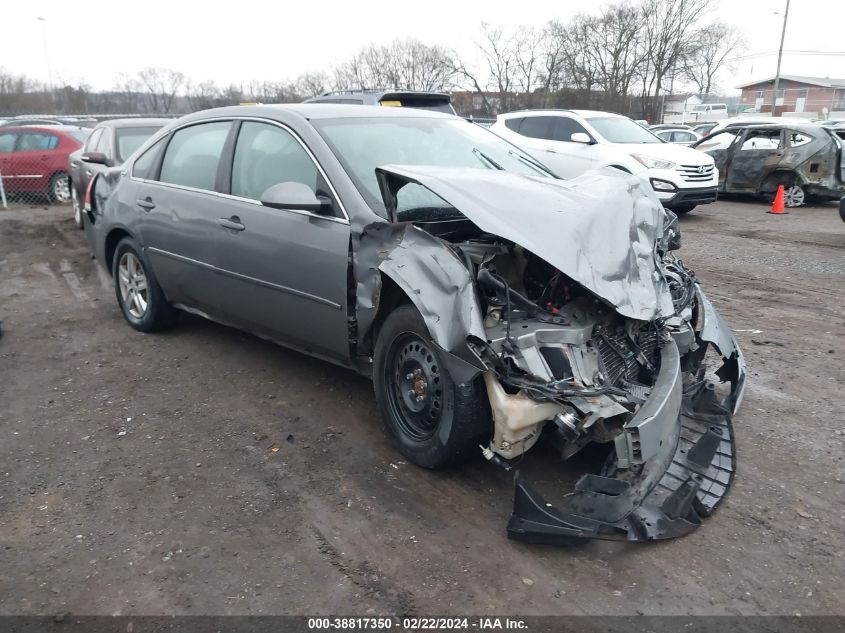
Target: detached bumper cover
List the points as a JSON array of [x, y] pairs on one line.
[[685, 476]]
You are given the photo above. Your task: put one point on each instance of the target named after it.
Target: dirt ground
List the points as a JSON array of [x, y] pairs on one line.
[[139, 473]]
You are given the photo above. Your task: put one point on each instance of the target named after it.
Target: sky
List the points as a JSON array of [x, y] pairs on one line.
[[93, 42]]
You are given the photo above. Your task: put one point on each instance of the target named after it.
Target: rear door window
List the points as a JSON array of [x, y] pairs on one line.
[[266, 155], [537, 127], [761, 139], [193, 154]]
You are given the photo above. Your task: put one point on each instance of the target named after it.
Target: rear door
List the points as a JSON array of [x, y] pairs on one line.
[[283, 273], [755, 155], [548, 139], [179, 208]]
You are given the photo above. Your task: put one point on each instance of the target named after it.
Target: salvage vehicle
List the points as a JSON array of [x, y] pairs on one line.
[[109, 144], [803, 157], [571, 142], [493, 305]]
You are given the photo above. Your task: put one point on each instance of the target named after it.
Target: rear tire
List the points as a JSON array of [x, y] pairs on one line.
[[138, 294], [59, 188], [794, 196], [432, 420]]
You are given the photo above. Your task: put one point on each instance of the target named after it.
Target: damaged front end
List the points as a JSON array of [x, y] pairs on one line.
[[567, 298]]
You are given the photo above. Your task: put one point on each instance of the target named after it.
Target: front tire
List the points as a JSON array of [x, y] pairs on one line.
[[432, 420], [138, 294], [77, 208]]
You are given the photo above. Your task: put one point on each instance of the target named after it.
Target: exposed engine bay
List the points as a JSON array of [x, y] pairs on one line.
[[587, 338]]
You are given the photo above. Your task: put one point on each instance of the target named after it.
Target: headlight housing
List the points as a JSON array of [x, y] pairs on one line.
[[652, 162]]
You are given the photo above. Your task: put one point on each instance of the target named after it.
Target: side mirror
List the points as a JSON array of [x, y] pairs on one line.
[[296, 196], [95, 157], [581, 137]]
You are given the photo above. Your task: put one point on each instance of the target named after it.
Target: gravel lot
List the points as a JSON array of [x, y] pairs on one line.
[[204, 471]]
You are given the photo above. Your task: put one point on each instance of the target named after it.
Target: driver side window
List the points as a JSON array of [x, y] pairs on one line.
[[266, 155]]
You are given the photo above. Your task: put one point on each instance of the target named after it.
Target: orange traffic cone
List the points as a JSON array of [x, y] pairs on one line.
[[777, 205]]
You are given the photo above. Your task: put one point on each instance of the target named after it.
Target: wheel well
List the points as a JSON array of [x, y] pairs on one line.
[[621, 168], [112, 240], [785, 177], [391, 296]]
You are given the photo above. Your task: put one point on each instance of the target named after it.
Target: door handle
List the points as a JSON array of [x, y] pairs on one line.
[[550, 150], [146, 203], [233, 223], [87, 172]]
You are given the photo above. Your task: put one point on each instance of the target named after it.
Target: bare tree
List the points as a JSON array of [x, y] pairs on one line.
[[162, 85], [311, 84], [202, 96], [711, 47], [406, 64], [668, 33], [498, 50]]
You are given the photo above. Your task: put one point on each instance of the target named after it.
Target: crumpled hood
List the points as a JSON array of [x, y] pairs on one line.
[[600, 229]]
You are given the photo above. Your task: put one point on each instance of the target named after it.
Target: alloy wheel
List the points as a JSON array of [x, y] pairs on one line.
[[61, 189], [794, 196], [132, 281]]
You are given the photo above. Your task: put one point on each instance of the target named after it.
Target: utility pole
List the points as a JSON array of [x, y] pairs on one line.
[[47, 59], [780, 54]]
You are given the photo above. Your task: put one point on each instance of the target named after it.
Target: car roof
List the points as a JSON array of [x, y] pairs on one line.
[[586, 114], [314, 111], [800, 126], [134, 122], [42, 128]]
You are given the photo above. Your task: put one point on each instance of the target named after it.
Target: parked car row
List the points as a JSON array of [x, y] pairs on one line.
[[571, 142], [33, 159], [487, 299]]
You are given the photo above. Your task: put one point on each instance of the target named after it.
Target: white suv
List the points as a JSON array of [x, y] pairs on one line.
[[570, 142]]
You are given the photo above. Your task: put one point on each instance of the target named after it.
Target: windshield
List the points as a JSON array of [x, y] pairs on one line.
[[131, 138], [79, 135], [363, 144], [621, 130]]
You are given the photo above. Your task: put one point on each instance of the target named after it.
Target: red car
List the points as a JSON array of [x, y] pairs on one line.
[[33, 159]]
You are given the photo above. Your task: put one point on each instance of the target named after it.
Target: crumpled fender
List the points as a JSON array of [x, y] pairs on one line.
[[437, 282], [715, 331]]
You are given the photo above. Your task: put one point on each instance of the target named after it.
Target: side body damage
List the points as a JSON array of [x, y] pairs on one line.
[[568, 301]]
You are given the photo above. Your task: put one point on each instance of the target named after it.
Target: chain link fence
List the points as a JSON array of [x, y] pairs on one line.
[[34, 161]]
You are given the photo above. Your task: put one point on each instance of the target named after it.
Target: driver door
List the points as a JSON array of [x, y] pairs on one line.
[[282, 272], [754, 157]]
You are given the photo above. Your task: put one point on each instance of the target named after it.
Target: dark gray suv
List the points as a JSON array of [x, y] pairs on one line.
[[488, 300]]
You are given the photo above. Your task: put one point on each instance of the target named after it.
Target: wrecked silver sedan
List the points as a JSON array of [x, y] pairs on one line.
[[494, 306]]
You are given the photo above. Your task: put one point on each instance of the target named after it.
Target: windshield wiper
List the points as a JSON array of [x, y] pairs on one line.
[[487, 159], [531, 163]]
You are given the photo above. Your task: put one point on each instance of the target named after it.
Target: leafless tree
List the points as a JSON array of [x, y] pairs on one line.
[[405, 64], [668, 38], [711, 47], [162, 85], [497, 48], [311, 84], [202, 96]]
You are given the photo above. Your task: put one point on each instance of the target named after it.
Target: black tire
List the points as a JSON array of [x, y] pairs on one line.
[[76, 205], [158, 314], [682, 208], [451, 420], [56, 193]]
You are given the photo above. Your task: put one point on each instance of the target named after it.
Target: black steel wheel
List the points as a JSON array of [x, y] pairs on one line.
[[432, 420]]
